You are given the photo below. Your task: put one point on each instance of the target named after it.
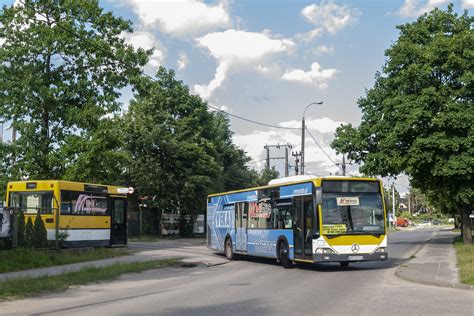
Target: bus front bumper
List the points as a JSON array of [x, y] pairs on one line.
[[332, 257]]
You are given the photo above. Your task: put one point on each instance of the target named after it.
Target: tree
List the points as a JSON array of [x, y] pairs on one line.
[[29, 233], [40, 235], [62, 64], [266, 175], [169, 136], [21, 229], [417, 118]]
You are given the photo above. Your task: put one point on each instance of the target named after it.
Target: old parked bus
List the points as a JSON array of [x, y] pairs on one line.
[[317, 219], [86, 214]]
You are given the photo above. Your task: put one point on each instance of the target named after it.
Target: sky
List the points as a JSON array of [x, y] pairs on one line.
[[266, 60]]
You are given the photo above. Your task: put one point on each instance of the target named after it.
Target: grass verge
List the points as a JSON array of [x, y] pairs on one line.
[[23, 287], [23, 259], [465, 255]]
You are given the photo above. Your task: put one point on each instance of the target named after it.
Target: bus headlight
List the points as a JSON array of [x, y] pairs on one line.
[[324, 250], [381, 249]]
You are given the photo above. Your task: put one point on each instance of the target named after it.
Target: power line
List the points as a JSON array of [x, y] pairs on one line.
[[152, 78], [314, 139]]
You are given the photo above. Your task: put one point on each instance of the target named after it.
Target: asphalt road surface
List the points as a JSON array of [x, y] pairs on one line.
[[261, 287]]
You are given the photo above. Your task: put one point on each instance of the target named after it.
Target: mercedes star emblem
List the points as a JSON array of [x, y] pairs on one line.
[[355, 248]]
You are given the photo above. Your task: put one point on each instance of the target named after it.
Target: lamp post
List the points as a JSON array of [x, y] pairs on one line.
[[303, 127]]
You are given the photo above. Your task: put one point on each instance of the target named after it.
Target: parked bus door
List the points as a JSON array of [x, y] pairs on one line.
[[118, 229], [241, 215], [303, 227]]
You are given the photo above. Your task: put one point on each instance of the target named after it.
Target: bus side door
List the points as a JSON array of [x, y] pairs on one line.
[[241, 215], [118, 229]]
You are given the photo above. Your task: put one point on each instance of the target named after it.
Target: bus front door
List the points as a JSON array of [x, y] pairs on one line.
[[241, 214], [118, 229], [303, 227]]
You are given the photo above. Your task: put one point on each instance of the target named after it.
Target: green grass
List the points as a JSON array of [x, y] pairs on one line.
[[23, 287], [465, 255], [23, 259]]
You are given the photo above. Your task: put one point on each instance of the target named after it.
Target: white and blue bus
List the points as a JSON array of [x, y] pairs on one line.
[[317, 219]]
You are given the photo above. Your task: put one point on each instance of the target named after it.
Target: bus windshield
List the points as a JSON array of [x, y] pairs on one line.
[[357, 208]]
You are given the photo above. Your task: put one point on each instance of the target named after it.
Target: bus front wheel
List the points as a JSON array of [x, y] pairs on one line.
[[228, 249], [284, 252]]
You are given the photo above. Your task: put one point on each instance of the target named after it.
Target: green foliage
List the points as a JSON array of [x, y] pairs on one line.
[[179, 151], [29, 233], [417, 119], [266, 175], [40, 236], [61, 68], [21, 229], [406, 215]]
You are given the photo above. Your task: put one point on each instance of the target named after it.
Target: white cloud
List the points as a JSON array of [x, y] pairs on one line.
[[234, 50], [414, 8], [316, 76], [324, 50], [146, 40], [329, 17], [183, 61], [467, 4], [316, 161], [181, 17]]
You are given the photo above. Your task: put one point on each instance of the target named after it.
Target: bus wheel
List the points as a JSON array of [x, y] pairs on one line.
[[228, 249], [344, 264], [284, 252]]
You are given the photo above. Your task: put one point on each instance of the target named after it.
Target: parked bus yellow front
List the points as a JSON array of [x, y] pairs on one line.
[[83, 214]]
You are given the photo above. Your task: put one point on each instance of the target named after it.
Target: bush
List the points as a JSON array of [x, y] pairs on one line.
[[40, 235], [29, 233], [21, 229]]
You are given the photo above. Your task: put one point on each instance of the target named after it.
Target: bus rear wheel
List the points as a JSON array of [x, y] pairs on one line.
[[283, 255], [228, 249]]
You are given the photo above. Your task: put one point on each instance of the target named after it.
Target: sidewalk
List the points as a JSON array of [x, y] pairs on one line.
[[434, 263], [199, 256]]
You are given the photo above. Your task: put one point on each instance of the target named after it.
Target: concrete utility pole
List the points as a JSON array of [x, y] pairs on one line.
[[278, 146], [393, 204], [296, 155], [343, 164], [303, 127]]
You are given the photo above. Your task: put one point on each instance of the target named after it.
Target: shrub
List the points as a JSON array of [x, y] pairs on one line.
[[40, 235]]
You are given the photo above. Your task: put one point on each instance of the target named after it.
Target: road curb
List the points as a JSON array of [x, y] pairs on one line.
[[399, 274]]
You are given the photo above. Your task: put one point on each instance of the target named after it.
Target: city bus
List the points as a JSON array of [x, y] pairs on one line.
[[84, 214], [312, 220]]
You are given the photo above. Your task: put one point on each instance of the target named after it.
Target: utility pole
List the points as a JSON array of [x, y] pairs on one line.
[[286, 161], [297, 160], [343, 164], [268, 156], [393, 204]]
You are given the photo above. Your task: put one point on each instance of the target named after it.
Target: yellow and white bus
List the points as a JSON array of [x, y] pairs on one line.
[[87, 214], [302, 219]]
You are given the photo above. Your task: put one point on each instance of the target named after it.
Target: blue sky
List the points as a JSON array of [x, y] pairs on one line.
[[267, 59]]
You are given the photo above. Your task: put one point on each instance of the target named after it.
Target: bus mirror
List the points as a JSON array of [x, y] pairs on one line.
[[318, 195]]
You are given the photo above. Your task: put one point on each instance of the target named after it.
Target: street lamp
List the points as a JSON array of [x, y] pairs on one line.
[[303, 127]]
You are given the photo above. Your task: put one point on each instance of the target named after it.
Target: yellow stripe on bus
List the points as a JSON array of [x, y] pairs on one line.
[[73, 221], [344, 240]]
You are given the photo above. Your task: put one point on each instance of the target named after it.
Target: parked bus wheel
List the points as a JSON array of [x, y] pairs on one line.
[[285, 261], [228, 249]]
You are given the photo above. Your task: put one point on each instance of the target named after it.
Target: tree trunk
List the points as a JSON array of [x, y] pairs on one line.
[[466, 224]]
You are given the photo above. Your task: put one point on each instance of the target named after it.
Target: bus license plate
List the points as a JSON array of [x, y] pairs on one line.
[[355, 258]]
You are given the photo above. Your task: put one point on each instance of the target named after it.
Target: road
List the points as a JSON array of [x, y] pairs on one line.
[[251, 287]]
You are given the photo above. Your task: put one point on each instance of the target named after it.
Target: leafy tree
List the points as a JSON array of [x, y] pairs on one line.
[[29, 233], [266, 175], [21, 229], [417, 118], [169, 136], [40, 235], [62, 64]]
